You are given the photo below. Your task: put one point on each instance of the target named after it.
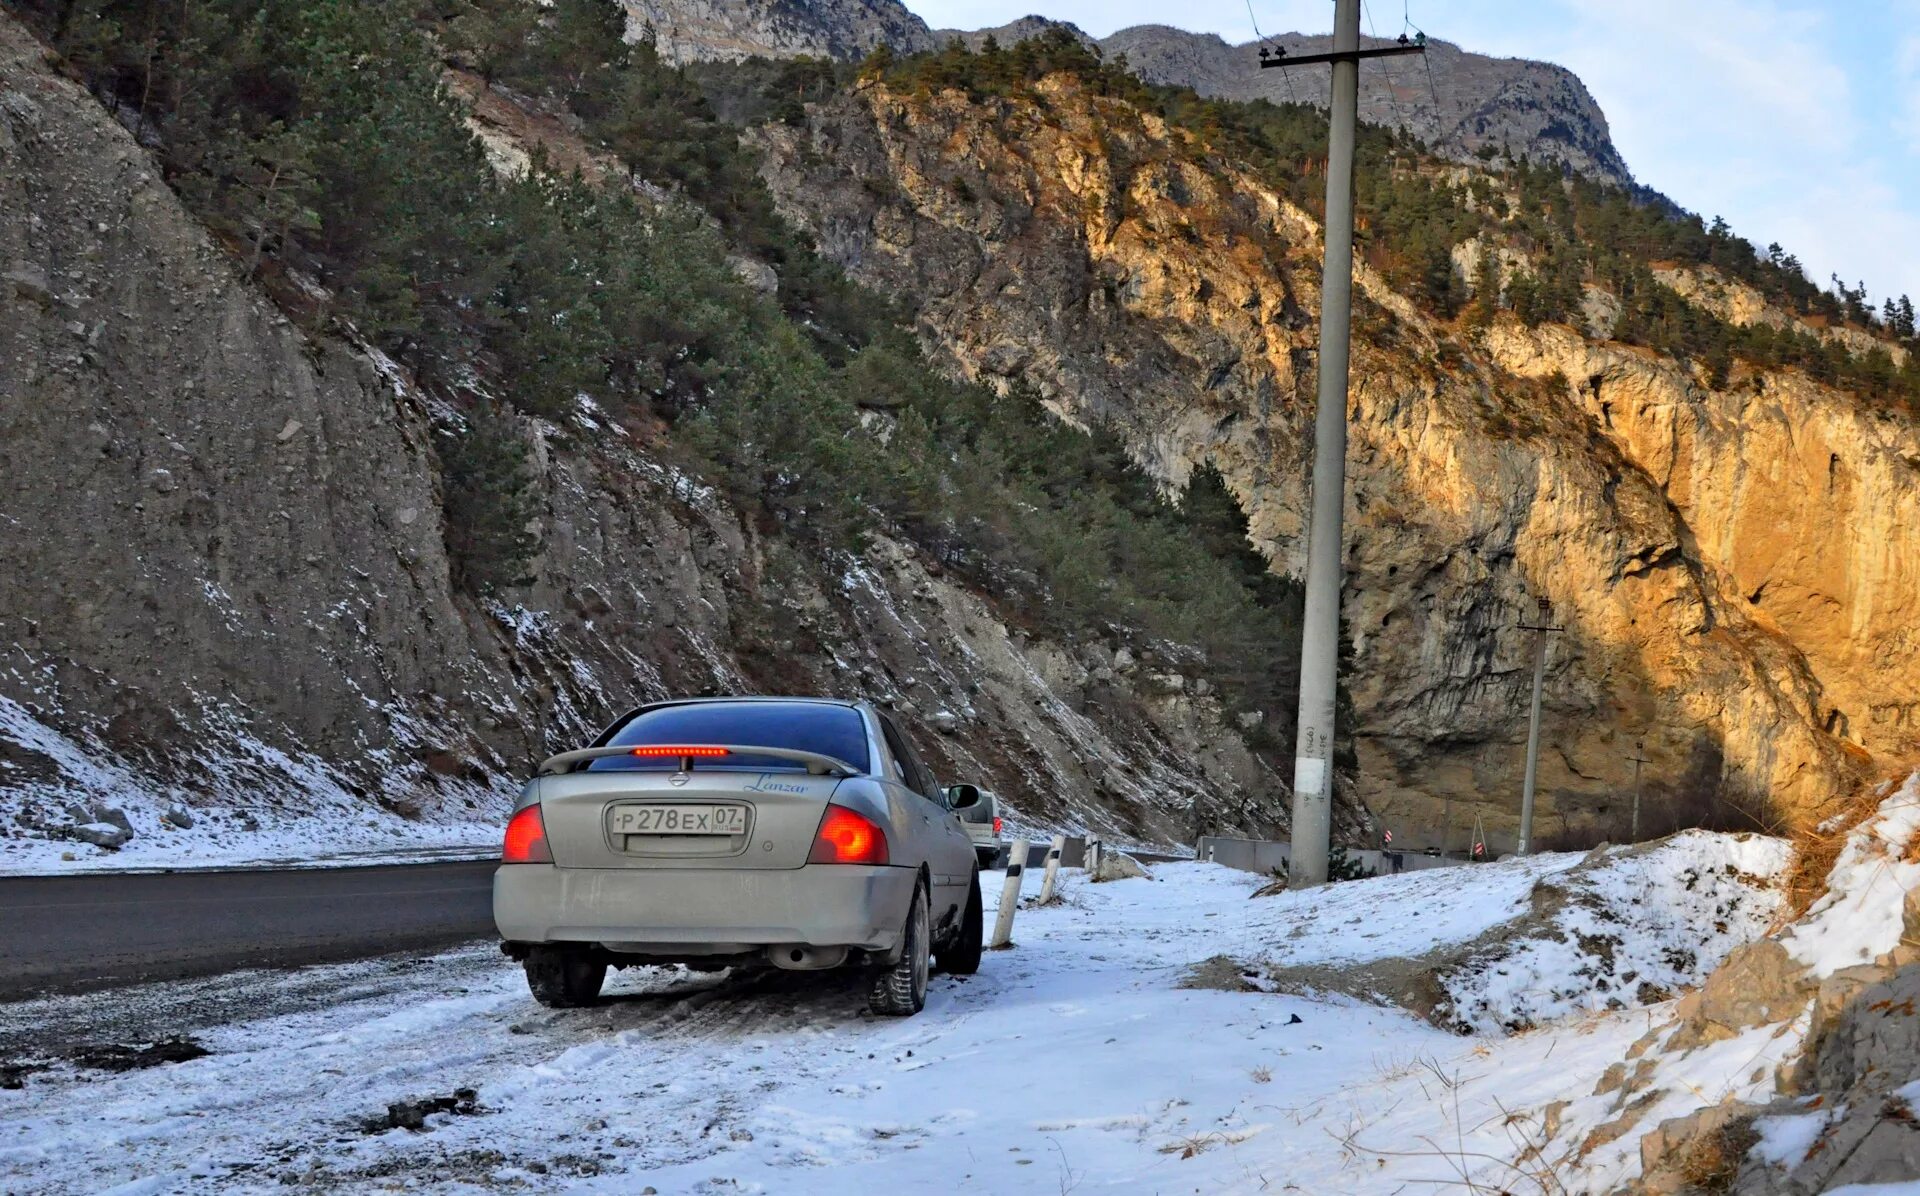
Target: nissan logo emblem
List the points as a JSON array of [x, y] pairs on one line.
[[678, 779]]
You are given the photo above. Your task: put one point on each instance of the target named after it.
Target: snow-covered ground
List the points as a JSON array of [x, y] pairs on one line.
[[1633, 927], [1074, 1062]]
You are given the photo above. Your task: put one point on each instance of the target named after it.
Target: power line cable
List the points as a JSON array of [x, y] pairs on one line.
[[1264, 40], [1393, 100], [1420, 37]]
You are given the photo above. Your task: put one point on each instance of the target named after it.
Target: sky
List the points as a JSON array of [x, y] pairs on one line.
[[1796, 120]]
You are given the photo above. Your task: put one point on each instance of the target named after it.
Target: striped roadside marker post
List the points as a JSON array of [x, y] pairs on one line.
[[1053, 868], [1009, 897]]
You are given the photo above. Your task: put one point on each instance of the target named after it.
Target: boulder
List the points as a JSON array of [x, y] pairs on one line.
[[113, 816], [944, 721], [29, 282], [178, 816], [1096, 656], [103, 834], [1873, 1045], [1118, 865], [1166, 683], [1868, 1142], [758, 275], [1759, 984]]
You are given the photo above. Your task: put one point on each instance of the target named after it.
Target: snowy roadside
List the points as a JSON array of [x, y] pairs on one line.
[[305, 843], [268, 808], [1075, 1061]]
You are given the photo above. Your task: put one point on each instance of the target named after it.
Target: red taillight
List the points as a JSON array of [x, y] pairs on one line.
[[526, 839], [848, 838], [996, 826], [652, 751]]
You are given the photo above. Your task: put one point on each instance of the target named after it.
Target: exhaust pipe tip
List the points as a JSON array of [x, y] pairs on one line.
[[798, 957]]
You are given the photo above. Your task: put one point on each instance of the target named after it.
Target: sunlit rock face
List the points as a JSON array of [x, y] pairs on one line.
[[1735, 569]]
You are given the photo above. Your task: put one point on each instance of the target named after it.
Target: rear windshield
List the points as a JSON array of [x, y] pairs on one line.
[[830, 730]]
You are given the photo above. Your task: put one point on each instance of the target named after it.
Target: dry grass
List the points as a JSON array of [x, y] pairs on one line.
[[1193, 1145], [1712, 1161], [1816, 849], [1262, 1075]]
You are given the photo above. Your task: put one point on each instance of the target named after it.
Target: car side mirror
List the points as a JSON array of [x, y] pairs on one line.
[[962, 797]]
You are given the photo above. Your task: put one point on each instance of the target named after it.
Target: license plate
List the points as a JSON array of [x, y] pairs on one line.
[[677, 820]]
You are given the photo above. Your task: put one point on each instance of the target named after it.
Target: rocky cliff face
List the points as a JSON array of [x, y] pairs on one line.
[[1457, 101], [228, 587], [729, 30], [1689, 538]]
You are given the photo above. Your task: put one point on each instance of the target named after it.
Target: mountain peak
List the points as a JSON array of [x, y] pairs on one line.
[[1459, 102]]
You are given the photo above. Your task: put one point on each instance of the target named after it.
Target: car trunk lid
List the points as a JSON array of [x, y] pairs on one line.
[[706, 818]]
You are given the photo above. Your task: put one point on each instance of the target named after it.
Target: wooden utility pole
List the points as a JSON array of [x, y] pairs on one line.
[[1540, 630], [1320, 630]]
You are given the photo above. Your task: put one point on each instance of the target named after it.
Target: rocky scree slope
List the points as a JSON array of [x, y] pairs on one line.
[[230, 590], [1683, 531]]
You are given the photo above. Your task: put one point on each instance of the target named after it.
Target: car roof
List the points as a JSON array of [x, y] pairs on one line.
[[850, 704]]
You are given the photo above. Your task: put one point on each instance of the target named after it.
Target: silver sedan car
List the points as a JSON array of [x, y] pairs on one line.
[[720, 832]]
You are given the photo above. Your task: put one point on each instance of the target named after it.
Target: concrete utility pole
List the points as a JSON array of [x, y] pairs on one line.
[[1320, 629], [1540, 632], [1639, 757]]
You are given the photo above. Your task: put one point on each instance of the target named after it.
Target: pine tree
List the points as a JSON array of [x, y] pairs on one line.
[[491, 34], [1486, 285], [488, 502]]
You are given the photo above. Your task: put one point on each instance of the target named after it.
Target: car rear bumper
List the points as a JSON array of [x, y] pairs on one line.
[[694, 911]]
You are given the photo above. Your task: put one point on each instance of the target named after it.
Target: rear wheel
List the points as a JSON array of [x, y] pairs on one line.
[[564, 977], [962, 956], [901, 990]]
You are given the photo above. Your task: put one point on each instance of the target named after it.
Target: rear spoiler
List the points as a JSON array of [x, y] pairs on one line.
[[817, 764]]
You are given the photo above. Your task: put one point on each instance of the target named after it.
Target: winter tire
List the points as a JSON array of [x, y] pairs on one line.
[[962, 956], [901, 990], [564, 978]]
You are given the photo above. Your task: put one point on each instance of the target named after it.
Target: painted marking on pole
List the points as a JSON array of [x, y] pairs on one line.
[[1309, 774], [1053, 868]]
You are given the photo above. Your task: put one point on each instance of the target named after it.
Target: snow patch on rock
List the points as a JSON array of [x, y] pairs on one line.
[[1861, 917]]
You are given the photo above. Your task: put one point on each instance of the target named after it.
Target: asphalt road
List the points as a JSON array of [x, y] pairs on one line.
[[74, 933], [70, 933]]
